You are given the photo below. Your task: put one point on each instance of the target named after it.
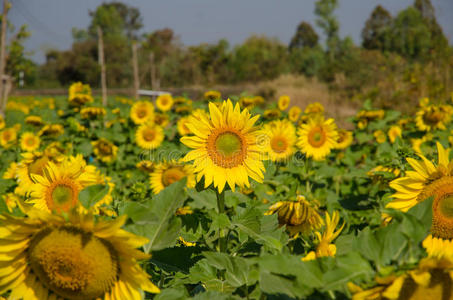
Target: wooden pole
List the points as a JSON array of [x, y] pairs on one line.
[[135, 66], [102, 63], [3, 57], [152, 71]]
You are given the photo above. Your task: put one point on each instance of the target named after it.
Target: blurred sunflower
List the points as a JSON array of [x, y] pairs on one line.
[[431, 117], [380, 136], [92, 112], [53, 130], [161, 119], [294, 113], [79, 94], [11, 201], [11, 172], [8, 137], [344, 139], [283, 102], [281, 139], [246, 102], [142, 112], [50, 257], [165, 173], [29, 141], [300, 216], [182, 126], [145, 166], [271, 114], [34, 120], [164, 102], [149, 136], [314, 108], [225, 147], [57, 189], [317, 138], [212, 95], [393, 133], [325, 246], [431, 279], [104, 150]]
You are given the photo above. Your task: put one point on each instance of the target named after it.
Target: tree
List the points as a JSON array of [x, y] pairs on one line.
[[328, 23], [376, 34], [305, 36], [438, 40]]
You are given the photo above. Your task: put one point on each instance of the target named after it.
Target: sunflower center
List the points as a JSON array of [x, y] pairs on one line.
[[433, 117], [105, 149], [30, 141], [62, 195], [149, 135], [226, 148], [317, 137], [141, 113], [228, 144], [172, 175], [279, 144], [164, 101], [442, 225], [72, 263]]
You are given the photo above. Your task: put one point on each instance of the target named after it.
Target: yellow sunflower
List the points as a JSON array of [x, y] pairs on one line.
[[345, 139], [294, 113], [92, 112], [212, 95], [32, 163], [79, 94], [246, 102], [29, 141], [2, 123], [57, 189], [53, 130], [283, 102], [164, 102], [431, 279], [271, 114], [34, 120], [142, 112], [225, 147], [314, 108], [8, 137], [300, 216], [280, 140], [104, 150], [47, 256], [380, 136], [11, 201], [11, 172], [166, 173], [318, 137], [182, 126], [325, 246], [161, 119], [393, 133], [149, 136], [145, 166], [431, 117]]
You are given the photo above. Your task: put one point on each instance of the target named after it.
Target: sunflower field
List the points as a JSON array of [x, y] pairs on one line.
[[223, 198]]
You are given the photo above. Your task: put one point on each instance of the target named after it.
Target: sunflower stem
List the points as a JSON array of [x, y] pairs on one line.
[[221, 208]]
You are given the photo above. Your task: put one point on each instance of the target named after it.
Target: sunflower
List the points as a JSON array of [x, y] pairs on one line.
[[145, 166], [92, 112], [272, 114], [182, 126], [31, 164], [79, 94], [225, 147], [365, 116], [212, 95], [142, 112], [431, 279], [294, 113], [164, 102], [161, 119], [318, 137], [149, 136], [53, 130], [2, 123], [8, 137], [432, 117], [34, 120], [29, 141], [280, 139], [325, 246], [166, 173], [246, 102], [11, 172], [344, 139], [314, 108], [104, 150], [57, 189], [11, 201], [299, 216], [393, 133], [283, 102], [380, 136], [50, 257]]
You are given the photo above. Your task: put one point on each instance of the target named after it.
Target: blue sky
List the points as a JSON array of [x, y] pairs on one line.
[[197, 21]]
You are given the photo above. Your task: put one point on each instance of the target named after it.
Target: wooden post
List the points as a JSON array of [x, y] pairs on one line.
[[135, 66], [3, 57], [152, 71], [102, 63]]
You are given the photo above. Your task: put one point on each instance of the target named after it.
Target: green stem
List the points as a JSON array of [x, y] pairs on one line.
[[221, 208]]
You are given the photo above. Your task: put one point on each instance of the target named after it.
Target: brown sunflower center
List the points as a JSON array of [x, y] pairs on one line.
[[172, 175], [149, 134], [432, 117], [141, 113], [62, 195], [73, 264], [279, 144], [227, 148], [105, 149], [164, 101], [317, 137], [442, 225]]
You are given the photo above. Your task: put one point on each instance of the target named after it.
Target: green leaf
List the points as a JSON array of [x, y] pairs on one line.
[[89, 196]]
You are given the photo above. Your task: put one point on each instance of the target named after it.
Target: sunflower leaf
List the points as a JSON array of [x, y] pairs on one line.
[[89, 196]]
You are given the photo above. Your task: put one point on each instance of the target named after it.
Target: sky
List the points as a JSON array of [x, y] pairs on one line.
[[202, 21]]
